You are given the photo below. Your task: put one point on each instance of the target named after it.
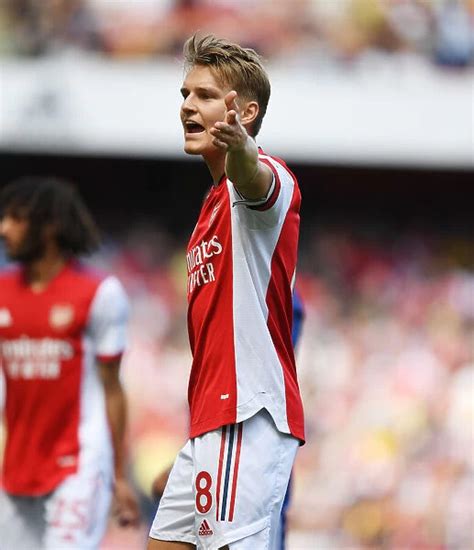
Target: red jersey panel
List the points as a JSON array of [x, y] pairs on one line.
[[48, 344], [241, 261]]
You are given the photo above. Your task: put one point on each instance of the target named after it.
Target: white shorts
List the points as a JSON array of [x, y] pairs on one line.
[[73, 516], [227, 487]]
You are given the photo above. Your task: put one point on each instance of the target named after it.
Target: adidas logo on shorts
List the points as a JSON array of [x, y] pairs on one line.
[[205, 529]]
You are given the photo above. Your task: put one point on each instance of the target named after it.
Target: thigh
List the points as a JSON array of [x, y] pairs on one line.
[[22, 522], [240, 479], [78, 510], [174, 520]]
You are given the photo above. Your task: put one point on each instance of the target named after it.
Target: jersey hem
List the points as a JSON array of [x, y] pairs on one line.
[[242, 413], [205, 426], [19, 492]]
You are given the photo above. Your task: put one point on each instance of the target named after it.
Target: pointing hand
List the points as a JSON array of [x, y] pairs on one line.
[[230, 134]]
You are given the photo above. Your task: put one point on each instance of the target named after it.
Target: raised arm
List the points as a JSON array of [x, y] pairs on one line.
[[251, 177]]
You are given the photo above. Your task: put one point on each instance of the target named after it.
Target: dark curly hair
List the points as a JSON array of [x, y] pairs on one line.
[[50, 201]]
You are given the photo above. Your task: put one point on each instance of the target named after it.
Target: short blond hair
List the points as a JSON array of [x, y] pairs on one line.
[[240, 68]]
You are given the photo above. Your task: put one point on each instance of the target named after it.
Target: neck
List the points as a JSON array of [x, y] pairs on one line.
[[216, 166], [40, 272]]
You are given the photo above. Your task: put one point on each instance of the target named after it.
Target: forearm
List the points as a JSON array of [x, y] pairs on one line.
[[126, 507], [117, 416], [241, 164], [250, 176]]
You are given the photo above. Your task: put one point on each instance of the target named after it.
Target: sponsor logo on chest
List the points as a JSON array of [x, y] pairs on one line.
[[200, 263], [34, 358]]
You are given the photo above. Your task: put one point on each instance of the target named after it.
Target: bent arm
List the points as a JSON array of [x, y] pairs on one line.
[[251, 177]]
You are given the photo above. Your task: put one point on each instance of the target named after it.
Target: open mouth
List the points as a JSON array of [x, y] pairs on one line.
[[192, 127]]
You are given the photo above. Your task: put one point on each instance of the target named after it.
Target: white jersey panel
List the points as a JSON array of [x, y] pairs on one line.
[[105, 336], [108, 318], [255, 234]]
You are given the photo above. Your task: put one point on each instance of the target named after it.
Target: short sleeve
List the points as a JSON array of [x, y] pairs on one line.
[[270, 210], [252, 203], [108, 320]]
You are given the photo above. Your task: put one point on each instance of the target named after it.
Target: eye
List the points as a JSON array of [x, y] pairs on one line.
[[206, 94]]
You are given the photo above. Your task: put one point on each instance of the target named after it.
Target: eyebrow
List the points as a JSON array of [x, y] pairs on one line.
[[211, 89]]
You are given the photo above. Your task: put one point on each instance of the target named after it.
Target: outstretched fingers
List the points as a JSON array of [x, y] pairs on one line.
[[218, 143], [229, 133], [223, 134]]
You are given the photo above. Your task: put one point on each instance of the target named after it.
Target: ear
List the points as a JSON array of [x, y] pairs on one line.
[[248, 114]]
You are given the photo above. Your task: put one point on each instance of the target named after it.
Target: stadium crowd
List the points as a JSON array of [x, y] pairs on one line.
[[387, 373], [386, 370], [308, 32]]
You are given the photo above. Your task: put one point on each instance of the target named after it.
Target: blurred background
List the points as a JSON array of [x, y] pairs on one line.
[[372, 108]]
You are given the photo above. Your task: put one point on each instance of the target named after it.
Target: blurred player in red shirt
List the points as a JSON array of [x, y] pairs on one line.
[[62, 335], [228, 483]]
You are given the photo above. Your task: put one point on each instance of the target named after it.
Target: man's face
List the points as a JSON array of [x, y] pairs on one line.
[[19, 244], [203, 105]]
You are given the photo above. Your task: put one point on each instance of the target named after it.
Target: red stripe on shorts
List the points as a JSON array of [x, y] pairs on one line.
[[219, 473], [236, 471]]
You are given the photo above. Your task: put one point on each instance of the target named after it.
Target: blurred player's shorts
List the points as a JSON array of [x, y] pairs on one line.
[[73, 516]]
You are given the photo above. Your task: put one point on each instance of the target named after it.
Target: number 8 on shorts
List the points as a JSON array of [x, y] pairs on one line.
[[203, 492]]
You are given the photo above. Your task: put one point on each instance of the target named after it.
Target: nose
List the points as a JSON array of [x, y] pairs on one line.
[[188, 105]]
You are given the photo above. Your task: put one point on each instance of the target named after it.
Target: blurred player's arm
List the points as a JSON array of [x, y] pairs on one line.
[[125, 506], [251, 177], [159, 483]]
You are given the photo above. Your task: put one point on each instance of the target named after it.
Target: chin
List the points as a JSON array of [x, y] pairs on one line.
[[192, 149], [203, 148]]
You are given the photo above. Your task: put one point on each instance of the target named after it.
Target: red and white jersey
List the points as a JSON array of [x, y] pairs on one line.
[[54, 404], [241, 262]]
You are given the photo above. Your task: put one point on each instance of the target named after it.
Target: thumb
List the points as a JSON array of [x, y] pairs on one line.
[[231, 101]]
